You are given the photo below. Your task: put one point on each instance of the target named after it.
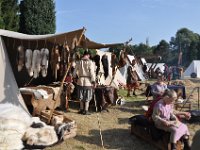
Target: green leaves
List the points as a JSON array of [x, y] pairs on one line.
[[37, 17]]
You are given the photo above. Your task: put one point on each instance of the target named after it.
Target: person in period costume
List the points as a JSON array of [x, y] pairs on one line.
[[85, 70], [132, 78], [158, 88], [164, 118]]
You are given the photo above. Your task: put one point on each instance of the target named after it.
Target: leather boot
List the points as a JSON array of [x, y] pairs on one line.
[[173, 146], [186, 144]]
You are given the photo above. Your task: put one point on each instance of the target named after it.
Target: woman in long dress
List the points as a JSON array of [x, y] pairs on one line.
[[165, 119]]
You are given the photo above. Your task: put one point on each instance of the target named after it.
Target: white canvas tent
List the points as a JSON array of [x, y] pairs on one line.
[[9, 92], [139, 70], [118, 79], [158, 65], [194, 67]]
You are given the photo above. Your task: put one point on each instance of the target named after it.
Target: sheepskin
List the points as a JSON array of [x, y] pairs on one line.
[[44, 136], [28, 61], [36, 62], [15, 125]]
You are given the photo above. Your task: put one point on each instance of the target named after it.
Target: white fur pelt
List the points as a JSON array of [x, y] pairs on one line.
[[28, 61], [20, 59], [36, 62], [44, 136], [15, 123], [44, 61]]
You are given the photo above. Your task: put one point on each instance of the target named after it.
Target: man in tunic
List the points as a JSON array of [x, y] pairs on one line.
[[132, 78], [85, 70]]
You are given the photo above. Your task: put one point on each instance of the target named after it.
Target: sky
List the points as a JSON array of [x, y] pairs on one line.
[[116, 21]]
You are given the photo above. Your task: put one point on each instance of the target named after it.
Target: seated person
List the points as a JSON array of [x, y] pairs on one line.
[[164, 118], [158, 88]]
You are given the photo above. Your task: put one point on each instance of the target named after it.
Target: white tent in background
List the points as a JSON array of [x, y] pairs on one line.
[[158, 65], [194, 67], [118, 79], [139, 70]]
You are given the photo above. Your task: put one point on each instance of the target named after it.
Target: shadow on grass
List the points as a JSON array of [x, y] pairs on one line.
[[113, 139], [133, 107]]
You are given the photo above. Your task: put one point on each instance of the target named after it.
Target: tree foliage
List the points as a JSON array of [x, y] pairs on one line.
[[9, 19], [37, 17]]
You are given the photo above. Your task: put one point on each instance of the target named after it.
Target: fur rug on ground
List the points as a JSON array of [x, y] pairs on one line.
[[15, 125]]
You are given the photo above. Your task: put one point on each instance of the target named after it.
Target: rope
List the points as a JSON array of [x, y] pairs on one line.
[[99, 123]]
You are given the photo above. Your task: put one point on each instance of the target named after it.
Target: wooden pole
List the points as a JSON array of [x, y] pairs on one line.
[[59, 93]]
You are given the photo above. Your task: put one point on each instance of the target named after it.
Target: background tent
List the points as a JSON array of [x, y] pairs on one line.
[[158, 65], [194, 67], [118, 79], [139, 70]]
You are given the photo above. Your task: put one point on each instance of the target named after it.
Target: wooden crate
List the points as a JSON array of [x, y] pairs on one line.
[[68, 134]]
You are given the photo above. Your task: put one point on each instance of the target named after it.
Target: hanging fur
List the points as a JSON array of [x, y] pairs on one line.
[[55, 61], [28, 61], [36, 61], [64, 58], [74, 43], [20, 58], [105, 64], [96, 59], [122, 59], [44, 61], [113, 63]]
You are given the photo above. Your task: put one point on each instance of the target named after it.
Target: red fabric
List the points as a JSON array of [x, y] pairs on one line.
[[151, 106]]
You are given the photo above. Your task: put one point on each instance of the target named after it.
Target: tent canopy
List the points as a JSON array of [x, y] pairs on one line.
[[76, 37]]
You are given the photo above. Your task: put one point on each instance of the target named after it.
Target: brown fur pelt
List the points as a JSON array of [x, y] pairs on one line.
[[122, 59], [55, 61], [20, 57]]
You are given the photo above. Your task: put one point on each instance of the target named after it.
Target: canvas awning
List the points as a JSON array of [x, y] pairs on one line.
[[73, 38]]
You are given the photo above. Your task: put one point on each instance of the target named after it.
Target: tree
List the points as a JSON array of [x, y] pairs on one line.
[[10, 14], [182, 42], [37, 17], [1, 18], [162, 49]]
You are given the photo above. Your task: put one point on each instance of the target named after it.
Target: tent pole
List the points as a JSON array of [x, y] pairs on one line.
[[59, 93]]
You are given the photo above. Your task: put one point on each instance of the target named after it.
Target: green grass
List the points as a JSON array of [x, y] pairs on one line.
[[123, 93]]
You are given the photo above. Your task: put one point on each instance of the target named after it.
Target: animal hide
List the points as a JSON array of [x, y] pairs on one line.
[[74, 43], [55, 61], [62, 128], [122, 59], [65, 53], [113, 63], [28, 61], [105, 64], [44, 61], [15, 125], [44, 136], [97, 63], [36, 62], [20, 58]]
